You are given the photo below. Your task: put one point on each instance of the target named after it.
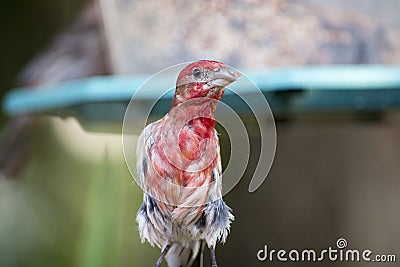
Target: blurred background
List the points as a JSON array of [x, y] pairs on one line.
[[66, 196]]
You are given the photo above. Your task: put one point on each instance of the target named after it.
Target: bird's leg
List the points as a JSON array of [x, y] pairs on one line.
[[213, 258], [163, 253]]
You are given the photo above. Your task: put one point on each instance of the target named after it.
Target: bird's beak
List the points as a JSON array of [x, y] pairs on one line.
[[224, 77]]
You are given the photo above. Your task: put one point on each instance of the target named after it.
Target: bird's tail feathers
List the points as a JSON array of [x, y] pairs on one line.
[[181, 255]]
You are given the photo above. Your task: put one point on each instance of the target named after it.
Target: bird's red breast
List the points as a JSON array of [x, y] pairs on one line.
[[182, 147]]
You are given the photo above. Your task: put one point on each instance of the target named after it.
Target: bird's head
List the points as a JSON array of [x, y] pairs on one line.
[[203, 78]]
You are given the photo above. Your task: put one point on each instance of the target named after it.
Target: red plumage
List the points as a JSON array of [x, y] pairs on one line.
[[179, 168]]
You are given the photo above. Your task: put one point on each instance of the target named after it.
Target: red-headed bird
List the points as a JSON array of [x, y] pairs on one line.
[[179, 169]]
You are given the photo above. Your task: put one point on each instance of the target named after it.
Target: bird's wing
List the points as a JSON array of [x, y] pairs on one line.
[[155, 175]]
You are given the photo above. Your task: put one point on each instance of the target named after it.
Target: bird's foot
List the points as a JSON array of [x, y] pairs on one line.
[[213, 257], [163, 253]]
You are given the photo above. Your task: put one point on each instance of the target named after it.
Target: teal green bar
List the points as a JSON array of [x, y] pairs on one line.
[[363, 81]]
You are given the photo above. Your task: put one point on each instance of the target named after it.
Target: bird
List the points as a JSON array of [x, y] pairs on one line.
[[179, 169]]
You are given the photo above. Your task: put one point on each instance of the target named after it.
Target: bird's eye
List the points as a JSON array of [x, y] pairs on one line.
[[196, 72]]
